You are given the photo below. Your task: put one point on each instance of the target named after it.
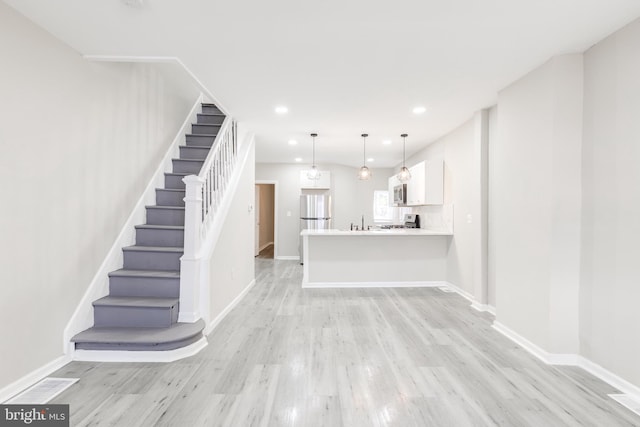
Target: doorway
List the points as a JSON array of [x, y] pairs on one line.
[[265, 237]]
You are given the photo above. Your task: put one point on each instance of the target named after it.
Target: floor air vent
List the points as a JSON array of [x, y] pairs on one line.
[[42, 392]]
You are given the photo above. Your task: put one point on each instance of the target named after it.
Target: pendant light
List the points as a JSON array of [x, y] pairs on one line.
[[364, 173], [404, 175], [313, 173]]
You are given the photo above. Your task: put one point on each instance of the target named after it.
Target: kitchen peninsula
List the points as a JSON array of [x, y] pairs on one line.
[[374, 258]]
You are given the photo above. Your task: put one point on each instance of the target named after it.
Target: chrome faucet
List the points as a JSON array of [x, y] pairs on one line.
[[362, 223]]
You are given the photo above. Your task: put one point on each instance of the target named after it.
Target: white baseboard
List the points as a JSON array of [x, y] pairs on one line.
[[140, 356], [466, 295], [474, 304], [483, 307], [419, 284], [610, 378], [288, 258], [82, 317], [33, 377], [631, 391], [627, 401], [215, 322], [543, 355]]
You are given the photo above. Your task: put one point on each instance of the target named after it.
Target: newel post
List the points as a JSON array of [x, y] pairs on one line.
[[190, 261]]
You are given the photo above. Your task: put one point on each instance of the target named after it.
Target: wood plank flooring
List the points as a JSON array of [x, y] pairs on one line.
[[344, 357]]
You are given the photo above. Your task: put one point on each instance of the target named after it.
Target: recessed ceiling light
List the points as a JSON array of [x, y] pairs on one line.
[[419, 110], [387, 142], [293, 142], [370, 159], [298, 159], [281, 109]]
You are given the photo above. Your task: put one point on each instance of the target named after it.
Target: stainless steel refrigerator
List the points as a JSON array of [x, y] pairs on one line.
[[315, 214]]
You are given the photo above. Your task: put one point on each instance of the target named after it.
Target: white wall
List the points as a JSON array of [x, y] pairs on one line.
[[457, 150], [232, 262], [492, 187], [610, 291], [79, 142], [536, 166], [351, 198]]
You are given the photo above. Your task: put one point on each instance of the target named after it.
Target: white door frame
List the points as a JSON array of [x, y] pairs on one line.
[[256, 228], [275, 213]]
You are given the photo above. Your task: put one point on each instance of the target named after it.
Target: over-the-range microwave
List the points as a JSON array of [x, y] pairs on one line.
[[400, 195]]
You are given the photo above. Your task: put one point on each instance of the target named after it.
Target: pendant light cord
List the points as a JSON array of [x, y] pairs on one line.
[[404, 150], [364, 149]]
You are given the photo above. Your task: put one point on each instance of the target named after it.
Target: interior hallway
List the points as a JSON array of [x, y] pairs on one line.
[[361, 357]]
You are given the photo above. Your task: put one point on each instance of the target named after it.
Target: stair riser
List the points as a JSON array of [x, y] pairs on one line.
[[155, 237], [204, 129], [141, 260], [144, 287], [210, 120], [174, 182], [169, 198], [194, 152], [185, 166], [138, 347], [134, 317], [210, 109], [199, 140], [165, 217]]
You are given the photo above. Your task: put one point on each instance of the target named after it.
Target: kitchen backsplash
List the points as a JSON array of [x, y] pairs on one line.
[[438, 218]]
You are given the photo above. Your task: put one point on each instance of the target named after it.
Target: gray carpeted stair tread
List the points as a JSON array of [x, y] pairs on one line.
[[203, 135], [165, 207], [160, 227], [136, 248], [189, 160], [142, 336], [172, 190], [138, 302], [165, 274]]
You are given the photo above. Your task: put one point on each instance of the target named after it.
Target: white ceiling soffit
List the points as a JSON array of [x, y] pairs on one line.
[[341, 67]]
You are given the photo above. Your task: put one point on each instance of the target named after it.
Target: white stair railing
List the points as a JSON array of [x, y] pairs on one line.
[[202, 199]]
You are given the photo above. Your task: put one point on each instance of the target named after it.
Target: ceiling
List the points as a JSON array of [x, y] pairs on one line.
[[342, 67]]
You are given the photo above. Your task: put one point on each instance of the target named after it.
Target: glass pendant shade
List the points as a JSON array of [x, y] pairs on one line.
[[404, 175], [313, 173], [364, 173]]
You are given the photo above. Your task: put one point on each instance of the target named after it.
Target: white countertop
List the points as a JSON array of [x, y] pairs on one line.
[[389, 232]]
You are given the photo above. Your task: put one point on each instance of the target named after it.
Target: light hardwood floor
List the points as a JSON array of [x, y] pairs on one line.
[[344, 357]]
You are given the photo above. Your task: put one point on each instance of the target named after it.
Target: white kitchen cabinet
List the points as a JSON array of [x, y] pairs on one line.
[[323, 183], [426, 186]]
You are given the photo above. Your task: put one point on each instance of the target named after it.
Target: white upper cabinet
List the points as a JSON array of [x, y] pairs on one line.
[[426, 186], [323, 183]]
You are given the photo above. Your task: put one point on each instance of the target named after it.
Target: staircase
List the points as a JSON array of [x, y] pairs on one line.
[[141, 311]]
